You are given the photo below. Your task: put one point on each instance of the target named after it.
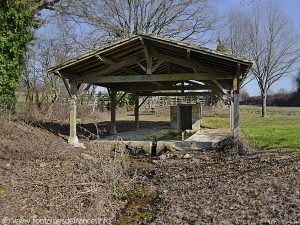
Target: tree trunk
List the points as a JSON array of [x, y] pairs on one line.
[[264, 104]]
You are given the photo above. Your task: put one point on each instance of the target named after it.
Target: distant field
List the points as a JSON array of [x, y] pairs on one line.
[[280, 129]]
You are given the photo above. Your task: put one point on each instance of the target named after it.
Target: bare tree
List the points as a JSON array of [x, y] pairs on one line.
[[274, 47], [185, 20], [236, 36], [235, 32], [48, 49]]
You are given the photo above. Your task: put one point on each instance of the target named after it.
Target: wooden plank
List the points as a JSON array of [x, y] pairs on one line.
[[176, 94], [150, 78]]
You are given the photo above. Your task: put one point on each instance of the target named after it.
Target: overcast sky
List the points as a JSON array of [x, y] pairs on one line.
[[291, 8]]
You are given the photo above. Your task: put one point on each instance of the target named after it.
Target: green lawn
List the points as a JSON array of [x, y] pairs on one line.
[[280, 129]]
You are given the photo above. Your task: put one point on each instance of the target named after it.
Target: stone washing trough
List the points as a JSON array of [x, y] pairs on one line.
[[202, 140]]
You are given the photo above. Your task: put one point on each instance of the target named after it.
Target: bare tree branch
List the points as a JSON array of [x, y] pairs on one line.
[[186, 20]]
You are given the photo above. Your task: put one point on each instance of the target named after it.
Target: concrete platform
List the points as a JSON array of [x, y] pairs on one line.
[[202, 140]]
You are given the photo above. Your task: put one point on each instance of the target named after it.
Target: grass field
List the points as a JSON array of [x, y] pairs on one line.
[[280, 129]]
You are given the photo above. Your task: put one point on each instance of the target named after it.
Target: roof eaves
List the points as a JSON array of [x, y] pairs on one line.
[[91, 54]]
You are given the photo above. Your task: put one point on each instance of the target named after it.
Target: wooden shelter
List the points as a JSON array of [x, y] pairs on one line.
[[146, 65]]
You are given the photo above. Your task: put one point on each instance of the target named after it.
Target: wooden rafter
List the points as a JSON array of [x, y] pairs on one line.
[[142, 66], [193, 64], [157, 65], [115, 66], [148, 56]]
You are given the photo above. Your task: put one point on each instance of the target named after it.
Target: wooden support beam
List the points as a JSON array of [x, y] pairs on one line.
[[225, 92], [65, 82], [111, 62], [109, 91], [143, 101], [236, 110], [157, 65], [73, 139], [148, 56], [166, 88], [231, 114], [136, 111], [150, 78], [113, 128], [157, 84], [188, 54], [175, 94], [182, 86], [115, 66], [142, 66], [193, 64], [105, 60], [73, 135], [67, 86]]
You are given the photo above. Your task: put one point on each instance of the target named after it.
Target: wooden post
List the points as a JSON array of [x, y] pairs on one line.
[[73, 139], [201, 116], [235, 108], [231, 113], [136, 111], [113, 129]]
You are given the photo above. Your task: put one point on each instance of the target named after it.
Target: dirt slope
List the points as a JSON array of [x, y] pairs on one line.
[[42, 176]]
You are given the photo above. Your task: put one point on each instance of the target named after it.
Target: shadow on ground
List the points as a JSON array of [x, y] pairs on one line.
[[99, 130]]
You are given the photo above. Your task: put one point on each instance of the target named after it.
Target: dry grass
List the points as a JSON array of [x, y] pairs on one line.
[[40, 174]]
